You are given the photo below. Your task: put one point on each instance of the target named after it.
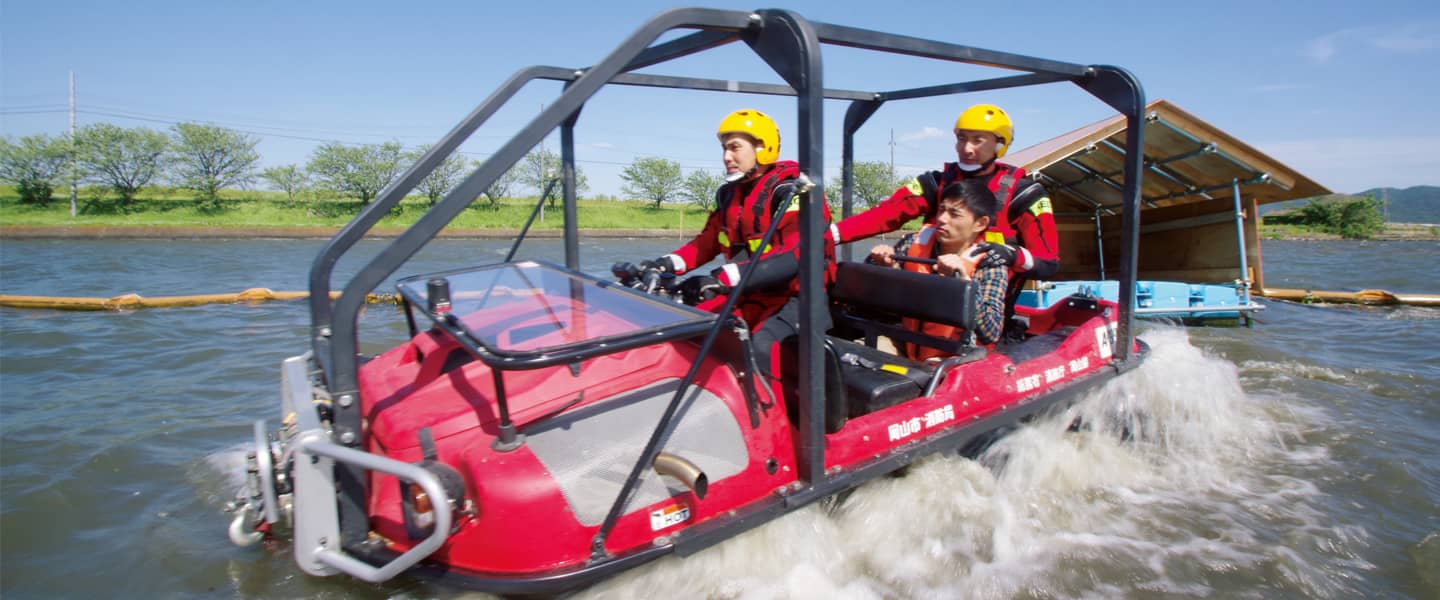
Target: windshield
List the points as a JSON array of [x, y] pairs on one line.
[[534, 307]]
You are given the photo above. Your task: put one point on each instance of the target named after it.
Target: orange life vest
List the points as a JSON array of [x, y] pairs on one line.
[[924, 246]]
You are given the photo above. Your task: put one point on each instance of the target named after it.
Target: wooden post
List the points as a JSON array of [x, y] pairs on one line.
[[1252, 244]]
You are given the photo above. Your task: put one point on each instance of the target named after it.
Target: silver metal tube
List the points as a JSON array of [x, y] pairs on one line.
[[333, 554], [1099, 243], [1240, 241], [684, 471], [1248, 307]]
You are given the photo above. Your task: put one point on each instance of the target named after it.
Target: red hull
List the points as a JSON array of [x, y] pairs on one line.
[[525, 526]]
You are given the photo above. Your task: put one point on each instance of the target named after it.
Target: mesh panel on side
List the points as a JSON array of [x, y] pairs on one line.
[[590, 451]]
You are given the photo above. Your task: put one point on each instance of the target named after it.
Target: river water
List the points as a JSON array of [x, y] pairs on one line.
[[1293, 459]]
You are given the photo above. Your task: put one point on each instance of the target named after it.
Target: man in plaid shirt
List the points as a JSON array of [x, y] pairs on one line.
[[967, 209]]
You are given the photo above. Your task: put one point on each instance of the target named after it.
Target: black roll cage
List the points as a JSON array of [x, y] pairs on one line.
[[790, 45]]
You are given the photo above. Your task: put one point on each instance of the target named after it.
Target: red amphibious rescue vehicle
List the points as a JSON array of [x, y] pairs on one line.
[[543, 427]]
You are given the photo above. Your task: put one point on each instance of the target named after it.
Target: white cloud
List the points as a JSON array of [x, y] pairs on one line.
[[1321, 49], [1353, 164], [1413, 37], [924, 134]]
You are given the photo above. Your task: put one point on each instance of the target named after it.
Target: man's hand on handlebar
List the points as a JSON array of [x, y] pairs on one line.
[[700, 288], [882, 255], [651, 277]]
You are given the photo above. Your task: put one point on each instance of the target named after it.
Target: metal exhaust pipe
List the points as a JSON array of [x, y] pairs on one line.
[[684, 471]]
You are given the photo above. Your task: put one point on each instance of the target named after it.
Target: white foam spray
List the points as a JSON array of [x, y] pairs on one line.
[[1176, 482]]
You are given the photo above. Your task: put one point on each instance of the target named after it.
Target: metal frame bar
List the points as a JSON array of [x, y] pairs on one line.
[[1248, 306], [855, 117], [866, 39], [702, 84], [567, 177], [1222, 154], [342, 344], [1099, 243], [1205, 148], [1077, 193], [1257, 179], [1159, 168], [1121, 151], [1119, 89], [1240, 241], [973, 86], [1093, 175], [796, 57], [791, 46]]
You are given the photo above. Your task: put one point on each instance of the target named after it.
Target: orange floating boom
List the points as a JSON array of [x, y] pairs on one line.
[[133, 301], [1371, 297]]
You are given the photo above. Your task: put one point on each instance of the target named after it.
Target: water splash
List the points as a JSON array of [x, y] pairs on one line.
[[1177, 482]]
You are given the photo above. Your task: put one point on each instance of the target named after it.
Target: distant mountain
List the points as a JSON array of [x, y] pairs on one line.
[[1419, 204]]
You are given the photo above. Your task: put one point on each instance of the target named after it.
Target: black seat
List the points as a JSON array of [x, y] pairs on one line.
[[861, 379], [874, 379], [871, 299]]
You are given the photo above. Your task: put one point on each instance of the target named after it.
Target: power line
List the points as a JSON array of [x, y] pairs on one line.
[[31, 112]]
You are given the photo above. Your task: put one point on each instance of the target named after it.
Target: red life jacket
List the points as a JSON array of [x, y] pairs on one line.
[[743, 222], [742, 229], [923, 246]]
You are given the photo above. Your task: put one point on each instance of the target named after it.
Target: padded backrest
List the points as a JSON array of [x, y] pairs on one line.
[[947, 300]]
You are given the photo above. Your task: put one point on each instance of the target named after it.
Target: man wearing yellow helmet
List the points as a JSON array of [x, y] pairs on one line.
[[759, 190], [1024, 233]]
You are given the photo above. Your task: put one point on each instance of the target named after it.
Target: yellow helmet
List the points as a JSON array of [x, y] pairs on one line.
[[991, 118], [757, 125]]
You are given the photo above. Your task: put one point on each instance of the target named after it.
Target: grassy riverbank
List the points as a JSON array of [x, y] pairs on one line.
[[1392, 232], [257, 209], [160, 212]]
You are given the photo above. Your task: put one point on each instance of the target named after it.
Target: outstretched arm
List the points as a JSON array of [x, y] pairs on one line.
[[1034, 221], [701, 249], [911, 201]]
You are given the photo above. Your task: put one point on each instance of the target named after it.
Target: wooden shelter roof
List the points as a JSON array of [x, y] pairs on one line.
[[1187, 160]]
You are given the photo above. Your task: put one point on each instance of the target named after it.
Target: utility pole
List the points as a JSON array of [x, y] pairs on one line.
[[541, 189], [74, 169], [892, 155]]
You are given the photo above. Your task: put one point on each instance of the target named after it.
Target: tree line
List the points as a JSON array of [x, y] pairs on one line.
[[205, 159], [1349, 217]]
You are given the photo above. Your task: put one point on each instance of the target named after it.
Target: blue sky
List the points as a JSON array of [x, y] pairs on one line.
[[1346, 92]]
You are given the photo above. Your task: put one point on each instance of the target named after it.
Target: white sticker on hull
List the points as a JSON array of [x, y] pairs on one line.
[[1104, 341], [913, 425], [669, 516], [1027, 383]]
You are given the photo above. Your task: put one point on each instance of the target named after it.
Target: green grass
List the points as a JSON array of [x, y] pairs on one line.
[[241, 209], [1392, 231]]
